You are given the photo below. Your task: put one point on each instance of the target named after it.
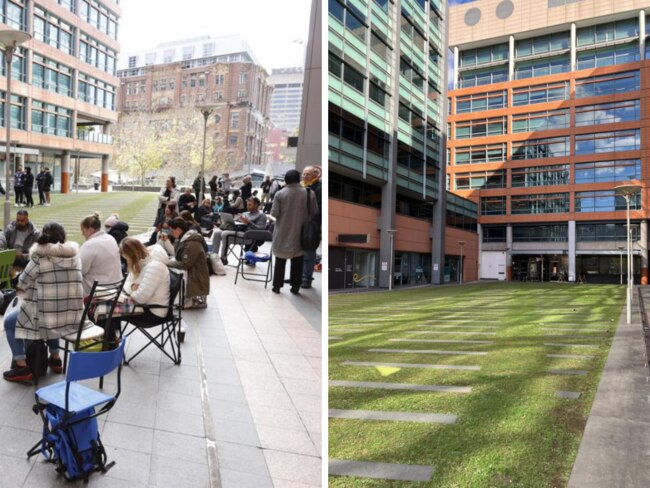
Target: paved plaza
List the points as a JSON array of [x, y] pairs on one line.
[[242, 410], [488, 384]]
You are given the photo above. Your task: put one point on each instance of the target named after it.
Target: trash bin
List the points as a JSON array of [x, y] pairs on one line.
[[96, 185]]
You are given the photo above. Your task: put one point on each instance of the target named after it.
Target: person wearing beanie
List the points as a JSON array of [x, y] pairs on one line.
[[116, 228]]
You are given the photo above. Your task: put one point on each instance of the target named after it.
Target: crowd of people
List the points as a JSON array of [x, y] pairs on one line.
[[57, 275]]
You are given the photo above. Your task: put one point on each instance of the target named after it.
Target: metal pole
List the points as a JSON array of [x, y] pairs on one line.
[[461, 265], [206, 114], [629, 263], [620, 252], [9, 51], [390, 266]]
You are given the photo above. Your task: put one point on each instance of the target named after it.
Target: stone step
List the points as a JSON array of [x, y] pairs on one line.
[[428, 418], [400, 386], [381, 471], [430, 351], [411, 365], [441, 341]]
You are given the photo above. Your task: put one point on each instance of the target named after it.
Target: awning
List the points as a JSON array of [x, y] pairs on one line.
[[20, 150]]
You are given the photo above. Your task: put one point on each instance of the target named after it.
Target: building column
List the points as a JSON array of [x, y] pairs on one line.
[[573, 46], [509, 253], [511, 58], [572, 251], [386, 223], [106, 159], [456, 65], [479, 229], [642, 35], [643, 244], [65, 172]]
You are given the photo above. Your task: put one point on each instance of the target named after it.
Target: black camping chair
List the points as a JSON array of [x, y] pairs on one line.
[[255, 238], [169, 325]]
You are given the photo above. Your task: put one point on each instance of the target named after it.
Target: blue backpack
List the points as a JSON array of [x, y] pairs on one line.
[[72, 443]]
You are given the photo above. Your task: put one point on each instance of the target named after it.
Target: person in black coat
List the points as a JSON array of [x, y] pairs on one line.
[[187, 201], [28, 186], [116, 228], [247, 188], [40, 182]]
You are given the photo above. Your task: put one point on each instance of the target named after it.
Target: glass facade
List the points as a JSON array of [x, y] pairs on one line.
[[608, 113], [604, 142], [596, 86], [51, 119], [597, 232], [480, 154], [481, 127], [550, 92], [540, 233], [606, 171], [493, 205], [481, 101], [547, 203], [604, 201], [52, 76], [480, 179], [536, 121], [541, 148], [540, 176]]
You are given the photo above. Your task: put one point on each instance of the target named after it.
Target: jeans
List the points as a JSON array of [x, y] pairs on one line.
[[18, 346], [308, 266], [294, 274]]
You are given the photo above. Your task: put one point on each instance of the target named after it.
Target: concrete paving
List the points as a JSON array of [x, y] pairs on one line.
[[616, 442], [242, 410]]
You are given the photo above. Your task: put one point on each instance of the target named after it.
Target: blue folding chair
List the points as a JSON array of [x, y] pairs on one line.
[[69, 410]]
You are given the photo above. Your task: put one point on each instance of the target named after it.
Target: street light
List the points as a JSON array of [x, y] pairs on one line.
[[391, 233], [205, 111], [627, 191], [620, 253], [9, 40], [460, 275]]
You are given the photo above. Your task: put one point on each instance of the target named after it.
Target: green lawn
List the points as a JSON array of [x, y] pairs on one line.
[[512, 430], [138, 209]]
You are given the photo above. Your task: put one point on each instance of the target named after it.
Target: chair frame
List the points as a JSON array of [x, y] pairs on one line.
[[253, 236], [173, 318], [6, 269]]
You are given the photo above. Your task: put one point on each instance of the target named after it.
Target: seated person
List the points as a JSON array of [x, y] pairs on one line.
[[116, 228], [205, 215], [100, 256], [187, 215], [253, 220], [53, 270], [187, 200], [20, 235], [235, 205], [217, 206]]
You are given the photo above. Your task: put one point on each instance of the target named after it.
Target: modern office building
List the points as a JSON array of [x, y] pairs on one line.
[[64, 86], [286, 98], [222, 73], [387, 109], [549, 113]]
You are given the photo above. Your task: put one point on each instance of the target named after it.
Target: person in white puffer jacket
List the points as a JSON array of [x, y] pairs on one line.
[[148, 280]]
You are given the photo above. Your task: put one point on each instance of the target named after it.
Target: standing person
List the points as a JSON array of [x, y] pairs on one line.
[[53, 303], [168, 195], [266, 189], [48, 183], [18, 187], [311, 179], [190, 256], [199, 186], [28, 186], [226, 182], [290, 212], [247, 188], [213, 187], [100, 256], [40, 182]]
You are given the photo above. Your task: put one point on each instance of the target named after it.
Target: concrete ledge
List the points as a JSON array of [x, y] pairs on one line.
[[382, 471]]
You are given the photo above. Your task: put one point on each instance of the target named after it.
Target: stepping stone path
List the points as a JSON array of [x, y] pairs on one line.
[[459, 326], [411, 365], [445, 341], [568, 394], [400, 386], [430, 351], [463, 332], [382, 471], [576, 372], [429, 418], [570, 345]]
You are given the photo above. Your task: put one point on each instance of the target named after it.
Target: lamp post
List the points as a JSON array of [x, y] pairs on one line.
[[627, 191], [620, 253], [205, 111], [391, 233], [10, 39], [460, 274]]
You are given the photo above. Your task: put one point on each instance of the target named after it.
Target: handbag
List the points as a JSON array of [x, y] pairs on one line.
[[310, 231]]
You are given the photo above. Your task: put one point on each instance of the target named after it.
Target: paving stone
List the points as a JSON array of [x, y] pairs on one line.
[[553, 344], [335, 338], [568, 394], [570, 356], [382, 471], [431, 418], [301, 469], [411, 365], [459, 326], [576, 372], [430, 351], [400, 386], [569, 330], [454, 332], [443, 341]]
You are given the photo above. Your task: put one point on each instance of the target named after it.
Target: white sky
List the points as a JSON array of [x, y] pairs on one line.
[[269, 26]]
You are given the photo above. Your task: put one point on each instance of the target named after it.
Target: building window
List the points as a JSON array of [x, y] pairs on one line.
[[208, 49], [378, 94], [132, 61], [547, 203], [379, 45], [243, 78], [202, 80], [536, 121], [410, 157], [605, 232], [411, 31], [604, 201], [354, 191], [595, 86], [97, 54], [597, 58], [217, 119], [411, 73], [18, 67], [540, 233], [51, 119], [481, 128], [17, 110], [98, 16], [232, 141], [234, 120], [350, 16], [347, 127], [540, 176], [604, 142], [608, 113], [97, 92], [543, 44], [613, 31], [51, 75], [481, 101], [13, 14], [149, 59], [168, 56], [484, 55], [242, 94], [494, 233], [493, 205], [483, 77], [188, 53], [606, 171], [480, 154], [53, 31], [343, 70], [219, 79], [480, 179], [549, 92], [541, 67], [541, 148], [217, 96]]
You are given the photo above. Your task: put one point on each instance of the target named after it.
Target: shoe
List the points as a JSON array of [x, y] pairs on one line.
[[306, 285], [275, 290], [295, 291], [199, 303], [18, 374], [46, 205], [56, 365], [224, 260]]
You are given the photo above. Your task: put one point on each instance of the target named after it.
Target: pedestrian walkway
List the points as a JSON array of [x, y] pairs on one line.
[[242, 410], [616, 440]]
